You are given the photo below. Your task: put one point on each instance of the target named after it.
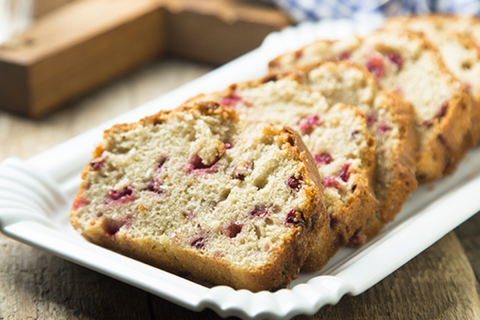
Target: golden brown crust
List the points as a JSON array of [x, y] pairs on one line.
[[170, 256], [443, 144], [327, 242], [474, 136], [403, 171]]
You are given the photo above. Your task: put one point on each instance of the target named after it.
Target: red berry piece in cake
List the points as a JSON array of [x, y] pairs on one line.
[[122, 195], [395, 58], [371, 118], [292, 219], [231, 101], [197, 166], [79, 202], [324, 157], [260, 211], [228, 146], [344, 173], [232, 230], [155, 186], [383, 128], [294, 183], [234, 100], [344, 55], [329, 182], [197, 163], [307, 124], [442, 112], [375, 66], [199, 242], [97, 164]]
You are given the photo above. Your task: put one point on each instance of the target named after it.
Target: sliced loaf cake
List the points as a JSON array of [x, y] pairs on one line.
[[407, 63], [454, 38], [391, 123], [194, 192], [337, 136]]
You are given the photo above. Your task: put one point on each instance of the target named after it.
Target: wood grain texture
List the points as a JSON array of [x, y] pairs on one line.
[[438, 284], [76, 46], [469, 236]]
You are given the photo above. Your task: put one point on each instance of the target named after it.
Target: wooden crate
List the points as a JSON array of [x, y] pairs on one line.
[[76, 46]]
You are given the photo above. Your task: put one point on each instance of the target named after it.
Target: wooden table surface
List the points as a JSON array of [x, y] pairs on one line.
[[441, 283]]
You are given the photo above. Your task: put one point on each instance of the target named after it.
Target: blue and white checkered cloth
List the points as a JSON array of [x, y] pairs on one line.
[[301, 10]]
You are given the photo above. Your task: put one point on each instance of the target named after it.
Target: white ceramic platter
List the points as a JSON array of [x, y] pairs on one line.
[[35, 197]]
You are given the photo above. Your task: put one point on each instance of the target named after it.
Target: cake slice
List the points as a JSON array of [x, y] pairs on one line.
[[390, 120], [454, 38], [337, 136], [407, 63], [194, 192]]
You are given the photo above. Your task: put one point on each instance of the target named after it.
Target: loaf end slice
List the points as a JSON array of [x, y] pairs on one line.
[[195, 192]]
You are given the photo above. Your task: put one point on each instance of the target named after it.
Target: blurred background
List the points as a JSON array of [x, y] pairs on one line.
[[55, 51], [69, 65]]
